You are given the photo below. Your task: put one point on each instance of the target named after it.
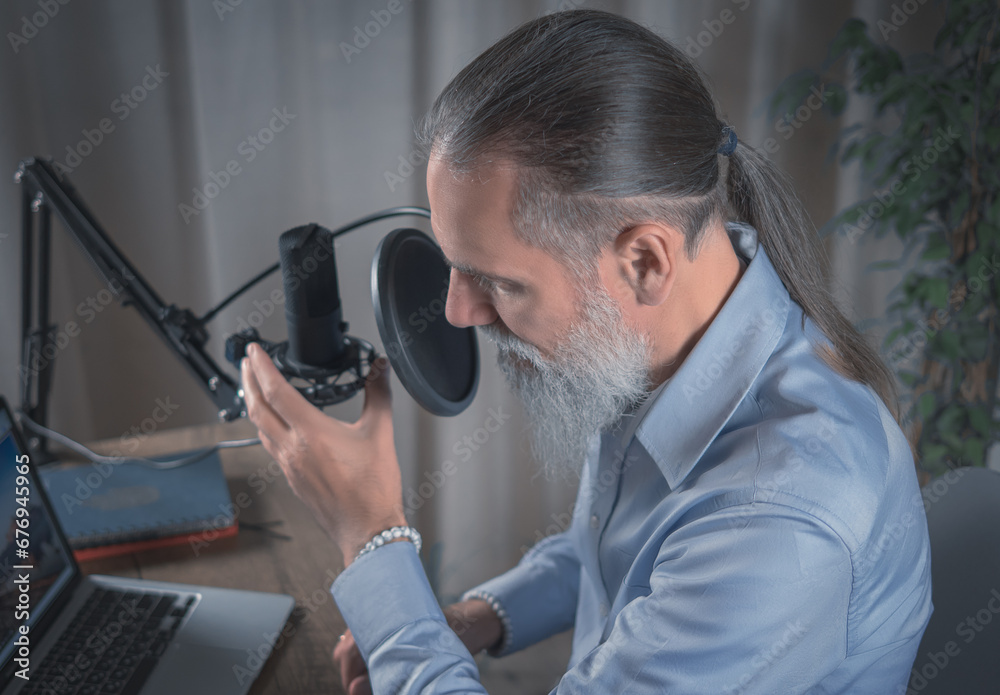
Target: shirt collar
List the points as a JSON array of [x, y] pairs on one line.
[[684, 415], [630, 419]]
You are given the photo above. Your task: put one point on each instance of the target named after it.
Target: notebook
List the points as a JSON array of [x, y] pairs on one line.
[[109, 509]]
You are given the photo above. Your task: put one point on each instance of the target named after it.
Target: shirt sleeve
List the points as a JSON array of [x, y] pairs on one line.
[[537, 597], [386, 600], [750, 599]]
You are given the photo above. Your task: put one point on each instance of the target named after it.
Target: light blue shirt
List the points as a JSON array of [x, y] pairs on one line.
[[754, 527]]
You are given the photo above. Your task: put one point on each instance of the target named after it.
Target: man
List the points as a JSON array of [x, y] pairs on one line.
[[748, 519]]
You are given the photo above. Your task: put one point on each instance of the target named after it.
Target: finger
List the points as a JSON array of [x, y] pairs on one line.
[[378, 398], [281, 396], [342, 646], [348, 659], [340, 659], [361, 685], [353, 665], [258, 409]]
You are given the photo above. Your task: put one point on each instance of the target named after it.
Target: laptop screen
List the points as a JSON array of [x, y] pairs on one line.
[[51, 567]]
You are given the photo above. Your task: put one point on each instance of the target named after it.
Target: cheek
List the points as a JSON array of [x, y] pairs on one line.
[[532, 323]]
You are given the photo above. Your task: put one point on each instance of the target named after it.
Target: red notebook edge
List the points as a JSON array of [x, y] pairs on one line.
[[200, 537]]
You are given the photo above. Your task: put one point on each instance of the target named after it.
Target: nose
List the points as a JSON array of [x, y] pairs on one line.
[[467, 304]]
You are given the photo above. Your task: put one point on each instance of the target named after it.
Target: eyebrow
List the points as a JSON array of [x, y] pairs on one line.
[[469, 270]]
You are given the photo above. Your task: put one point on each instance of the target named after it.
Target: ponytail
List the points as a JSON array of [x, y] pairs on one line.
[[761, 195]]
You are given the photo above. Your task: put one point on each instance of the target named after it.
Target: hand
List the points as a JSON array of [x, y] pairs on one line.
[[353, 671], [475, 623], [346, 473]]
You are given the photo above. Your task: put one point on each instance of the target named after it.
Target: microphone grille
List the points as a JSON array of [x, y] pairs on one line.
[[309, 271]]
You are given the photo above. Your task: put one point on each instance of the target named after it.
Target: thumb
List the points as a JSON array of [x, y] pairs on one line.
[[378, 398]]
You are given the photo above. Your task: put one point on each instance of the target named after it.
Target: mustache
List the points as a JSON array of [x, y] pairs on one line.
[[508, 344]]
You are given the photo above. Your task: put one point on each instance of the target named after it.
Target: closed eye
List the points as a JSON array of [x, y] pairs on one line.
[[486, 283], [499, 286]]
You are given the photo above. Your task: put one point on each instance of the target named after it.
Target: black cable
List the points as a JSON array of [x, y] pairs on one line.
[[374, 217], [384, 214], [231, 298]]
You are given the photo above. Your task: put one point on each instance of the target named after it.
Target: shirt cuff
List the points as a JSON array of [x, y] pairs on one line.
[[534, 605], [383, 591]]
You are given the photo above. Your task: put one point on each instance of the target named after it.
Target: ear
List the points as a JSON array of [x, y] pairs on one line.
[[646, 258]]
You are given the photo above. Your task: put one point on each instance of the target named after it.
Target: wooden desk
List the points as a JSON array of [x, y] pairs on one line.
[[302, 566]]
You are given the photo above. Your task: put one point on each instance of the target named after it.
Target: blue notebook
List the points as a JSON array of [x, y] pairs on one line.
[[100, 504]]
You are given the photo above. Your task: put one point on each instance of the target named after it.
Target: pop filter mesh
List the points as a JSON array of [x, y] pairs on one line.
[[444, 355]]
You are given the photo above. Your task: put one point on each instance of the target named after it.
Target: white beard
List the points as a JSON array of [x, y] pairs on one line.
[[600, 370]]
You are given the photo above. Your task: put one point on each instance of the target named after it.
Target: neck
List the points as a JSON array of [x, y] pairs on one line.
[[700, 291]]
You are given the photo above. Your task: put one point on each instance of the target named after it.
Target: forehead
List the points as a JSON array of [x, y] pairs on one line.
[[471, 213]]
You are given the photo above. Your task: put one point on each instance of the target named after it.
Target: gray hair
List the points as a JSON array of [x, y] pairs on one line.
[[609, 125]]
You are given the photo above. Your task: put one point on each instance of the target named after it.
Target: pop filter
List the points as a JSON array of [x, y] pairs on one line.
[[437, 363]]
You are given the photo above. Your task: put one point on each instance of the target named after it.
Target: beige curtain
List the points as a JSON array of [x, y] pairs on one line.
[[190, 88]]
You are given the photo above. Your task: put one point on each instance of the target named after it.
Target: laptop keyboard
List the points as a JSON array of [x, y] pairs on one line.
[[112, 645]]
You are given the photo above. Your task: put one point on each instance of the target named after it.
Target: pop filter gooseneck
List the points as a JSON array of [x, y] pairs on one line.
[[437, 363]]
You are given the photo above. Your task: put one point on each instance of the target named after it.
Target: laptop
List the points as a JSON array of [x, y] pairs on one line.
[[62, 632]]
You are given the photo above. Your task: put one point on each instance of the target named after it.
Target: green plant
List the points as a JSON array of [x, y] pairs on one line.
[[937, 187]]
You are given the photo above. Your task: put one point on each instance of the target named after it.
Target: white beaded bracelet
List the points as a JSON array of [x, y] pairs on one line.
[[390, 534], [501, 614]]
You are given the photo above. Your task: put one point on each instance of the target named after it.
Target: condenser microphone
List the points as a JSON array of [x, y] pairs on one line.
[[325, 364], [437, 363], [312, 298]]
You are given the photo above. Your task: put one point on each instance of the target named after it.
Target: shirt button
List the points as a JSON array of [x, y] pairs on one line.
[[595, 521], [604, 609]]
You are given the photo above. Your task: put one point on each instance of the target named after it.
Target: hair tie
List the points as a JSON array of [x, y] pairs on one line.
[[730, 144]]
